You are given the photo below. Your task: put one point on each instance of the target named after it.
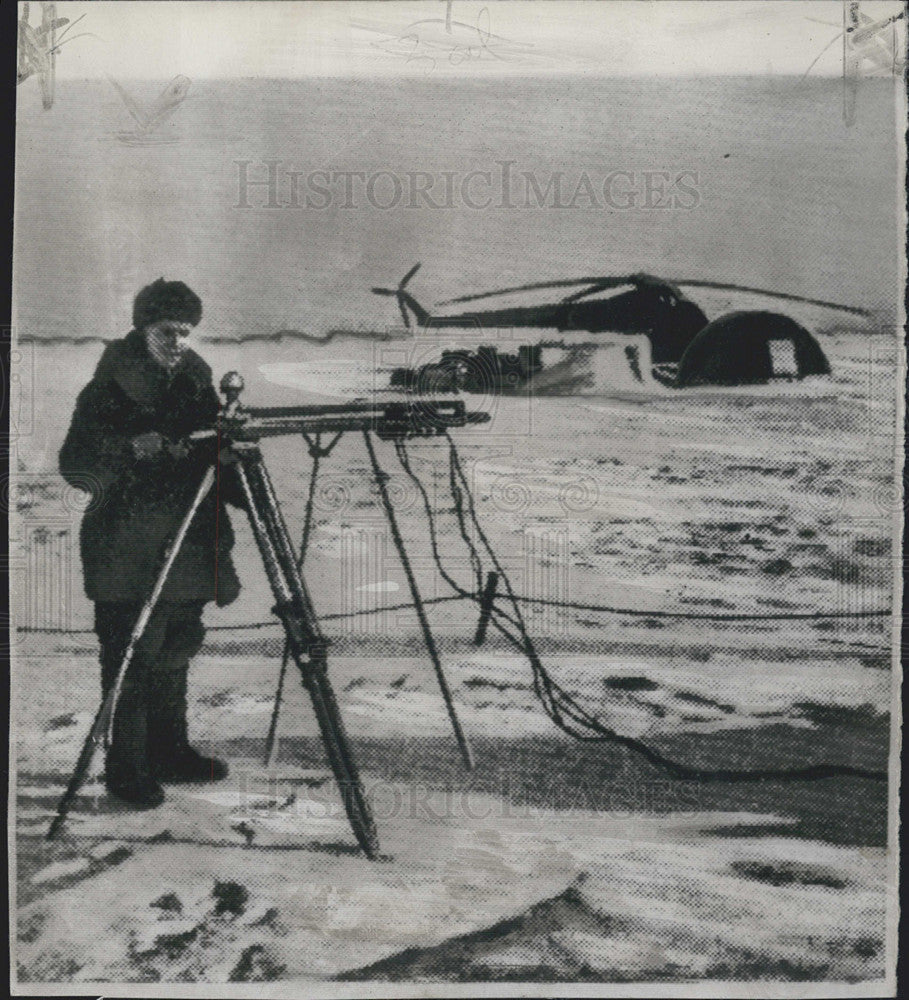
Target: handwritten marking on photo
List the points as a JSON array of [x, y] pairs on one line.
[[39, 45], [430, 39], [150, 118], [863, 39]]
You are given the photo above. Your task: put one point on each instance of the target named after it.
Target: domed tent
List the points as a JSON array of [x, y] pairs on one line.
[[740, 348]]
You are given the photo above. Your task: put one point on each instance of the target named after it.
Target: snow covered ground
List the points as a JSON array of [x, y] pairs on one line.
[[553, 860], [557, 861]]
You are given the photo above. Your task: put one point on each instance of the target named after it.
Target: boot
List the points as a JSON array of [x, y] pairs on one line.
[[170, 755], [184, 763], [127, 774], [138, 788]]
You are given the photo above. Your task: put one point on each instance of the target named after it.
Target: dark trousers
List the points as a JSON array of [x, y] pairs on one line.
[[150, 722]]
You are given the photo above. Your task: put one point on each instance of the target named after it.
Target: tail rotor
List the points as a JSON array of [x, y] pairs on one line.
[[400, 294]]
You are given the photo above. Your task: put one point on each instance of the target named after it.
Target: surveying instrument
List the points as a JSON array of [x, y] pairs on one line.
[[239, 431]]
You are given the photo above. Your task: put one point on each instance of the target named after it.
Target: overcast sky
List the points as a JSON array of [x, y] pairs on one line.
[[282, 38]]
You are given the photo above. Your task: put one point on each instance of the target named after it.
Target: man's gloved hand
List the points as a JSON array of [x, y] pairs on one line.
[[147, 445], [152, 444], [177, 450]]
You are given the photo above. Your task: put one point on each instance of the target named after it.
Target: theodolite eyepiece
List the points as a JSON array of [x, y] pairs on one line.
[[232, 385]]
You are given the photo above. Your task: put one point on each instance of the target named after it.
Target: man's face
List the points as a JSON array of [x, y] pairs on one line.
[[166, 341]]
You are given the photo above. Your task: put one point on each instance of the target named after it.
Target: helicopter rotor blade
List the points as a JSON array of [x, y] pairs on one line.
[[597, 283], [562, 283], [722, 286], [602, 286]]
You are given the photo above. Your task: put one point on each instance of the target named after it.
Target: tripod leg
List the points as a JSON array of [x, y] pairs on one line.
[[270, 742], [145, 614], [79, 774], [102, 727], [307, 645], [418, 605], [314, 671], [328, 715], [310, 641]]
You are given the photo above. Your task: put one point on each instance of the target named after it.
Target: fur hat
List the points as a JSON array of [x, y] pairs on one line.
[[166, 300]]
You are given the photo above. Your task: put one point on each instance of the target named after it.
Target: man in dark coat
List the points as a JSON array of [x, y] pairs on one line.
[[148, 393]]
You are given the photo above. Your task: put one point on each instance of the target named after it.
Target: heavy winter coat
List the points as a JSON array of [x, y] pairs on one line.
[[137, 505]]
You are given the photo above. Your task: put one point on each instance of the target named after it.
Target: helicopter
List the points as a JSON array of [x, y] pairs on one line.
[[686, 348]]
